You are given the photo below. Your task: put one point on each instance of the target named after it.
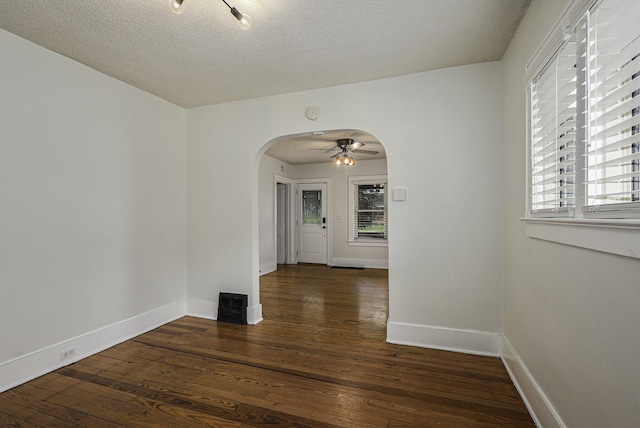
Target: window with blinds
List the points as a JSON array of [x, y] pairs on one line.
[[553, 135], [612, 152], [368, 208], [585, 117]]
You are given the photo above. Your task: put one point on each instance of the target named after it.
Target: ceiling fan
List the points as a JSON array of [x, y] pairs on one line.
[[346, 146]]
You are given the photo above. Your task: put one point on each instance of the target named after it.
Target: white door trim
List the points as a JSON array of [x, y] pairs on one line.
[[291, 257], [328, 182]]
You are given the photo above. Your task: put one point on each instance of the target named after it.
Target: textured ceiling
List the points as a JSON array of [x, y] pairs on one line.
[[203, 57]]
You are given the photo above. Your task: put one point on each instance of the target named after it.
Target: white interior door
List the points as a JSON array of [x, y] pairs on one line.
[[312, 223]]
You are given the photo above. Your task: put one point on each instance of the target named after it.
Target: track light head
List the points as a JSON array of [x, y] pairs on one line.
[[177, 6], [243, 19]]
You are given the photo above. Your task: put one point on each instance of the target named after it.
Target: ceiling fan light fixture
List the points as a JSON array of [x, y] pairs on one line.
[[344, 159]]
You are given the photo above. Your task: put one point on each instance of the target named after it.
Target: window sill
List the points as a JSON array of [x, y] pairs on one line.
[[367, 243], [621, 237]]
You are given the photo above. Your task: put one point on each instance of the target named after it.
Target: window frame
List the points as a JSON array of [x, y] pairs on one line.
[[356, 241], [560, 209], [606, 231], [575, 23], [612, 116]]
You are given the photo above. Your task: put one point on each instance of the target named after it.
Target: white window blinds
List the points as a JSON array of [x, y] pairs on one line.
[[553, 135], [584, 153], [612, 152], [370, 215], [368, 208]]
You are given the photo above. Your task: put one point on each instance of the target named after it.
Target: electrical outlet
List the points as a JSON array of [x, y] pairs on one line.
[[69, 353]]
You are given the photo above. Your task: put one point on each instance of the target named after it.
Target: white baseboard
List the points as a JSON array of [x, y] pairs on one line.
[[202, 309], [539, 406], [424, 336], [30, 366], [364, 263], [268, 268], [209, 310], [254, 314]]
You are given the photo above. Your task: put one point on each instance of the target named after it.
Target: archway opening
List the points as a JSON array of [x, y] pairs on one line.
[[353, 214]]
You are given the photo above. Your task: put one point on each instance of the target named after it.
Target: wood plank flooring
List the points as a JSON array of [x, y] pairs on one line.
[[318, 360]]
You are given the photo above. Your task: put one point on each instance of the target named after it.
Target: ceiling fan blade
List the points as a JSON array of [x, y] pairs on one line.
[[355, 145], [325, 150], [336, 155], [326, 138], [366, 152]]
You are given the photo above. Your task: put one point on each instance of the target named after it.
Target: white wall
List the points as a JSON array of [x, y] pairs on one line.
[[92, 209], [442, 134], [571, 314]]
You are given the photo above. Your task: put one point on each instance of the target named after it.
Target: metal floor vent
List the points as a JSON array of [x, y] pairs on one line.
[[232, 308]]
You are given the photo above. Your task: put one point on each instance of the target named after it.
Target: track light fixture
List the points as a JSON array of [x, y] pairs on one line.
[[177, 6]]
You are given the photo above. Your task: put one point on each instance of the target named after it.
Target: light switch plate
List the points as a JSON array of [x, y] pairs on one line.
[[399, 193]]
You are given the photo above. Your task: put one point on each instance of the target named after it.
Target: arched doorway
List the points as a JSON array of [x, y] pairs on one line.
[[291, 165]]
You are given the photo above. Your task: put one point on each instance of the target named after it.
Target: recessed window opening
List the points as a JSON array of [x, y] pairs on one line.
[[368, 210], [584, 152]]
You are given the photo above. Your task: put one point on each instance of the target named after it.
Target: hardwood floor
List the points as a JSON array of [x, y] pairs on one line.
[[318, 360]]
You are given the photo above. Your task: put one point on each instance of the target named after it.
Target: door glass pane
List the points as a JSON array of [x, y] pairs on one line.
[[311, 206]]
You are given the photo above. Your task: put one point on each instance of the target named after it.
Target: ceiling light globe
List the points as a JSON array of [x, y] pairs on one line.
[[245, 22], [337, 162], [177, 6]]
